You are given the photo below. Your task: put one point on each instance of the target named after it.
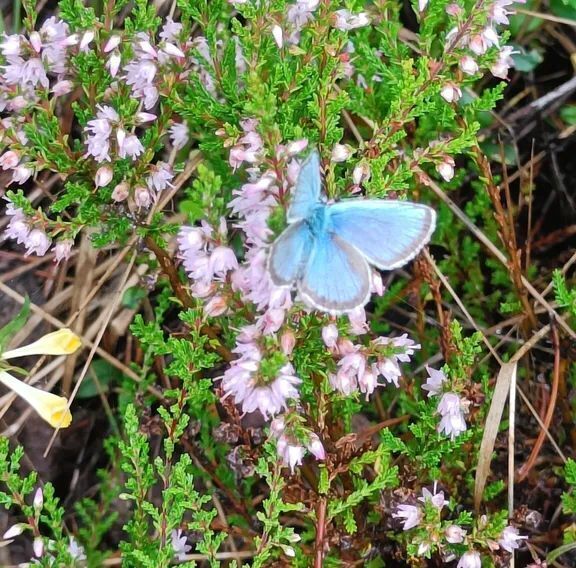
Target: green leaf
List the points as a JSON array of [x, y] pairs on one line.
[[10, 329]]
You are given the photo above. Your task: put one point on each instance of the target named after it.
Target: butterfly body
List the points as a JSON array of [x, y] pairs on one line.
[[327, 249]]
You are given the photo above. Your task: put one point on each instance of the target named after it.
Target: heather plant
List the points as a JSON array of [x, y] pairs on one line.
[[251, 427]]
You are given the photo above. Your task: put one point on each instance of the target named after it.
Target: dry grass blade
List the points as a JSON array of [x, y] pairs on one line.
[[507, 371]]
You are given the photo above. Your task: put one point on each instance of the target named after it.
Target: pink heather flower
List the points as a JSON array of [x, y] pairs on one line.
[[21, 174], [295, 147], [18, 226], [330, 335], [451, 93], [86, 40], [346, 21], [173, 50], [222, 260], [143, 117], [436, 498], [38, 501], [498, 11], [216, 306], [358, 323], [179, 135], [253, 392], [14, 530], [361, 173], [422, 5], [434, 382], [161, 175], [376, 286], [113, 63], [287, 342], [62, 88], [104, 176], [112, 43], [62, 250], [131, 147], [454, 10], [99, 131], [142, 197], [315, 447], [468, 65], [76, 550], [38, 547], [340, 152], [454, 534], [504, 63], [121, 192], [297, 16], [446, 168], [291, 454], [470, 559], [37, 242], [451, 410], [141, 71], [271, 320], [509, 539], [179, 545], [411, 514], [9, 160], [278, 35], [171, 30]]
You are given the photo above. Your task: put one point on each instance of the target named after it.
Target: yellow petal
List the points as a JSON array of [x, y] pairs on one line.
[[61, 342], [50, 407]]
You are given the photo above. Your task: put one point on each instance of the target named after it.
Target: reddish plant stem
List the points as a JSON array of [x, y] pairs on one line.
[[170, 270], [525, 469], [320, 531]]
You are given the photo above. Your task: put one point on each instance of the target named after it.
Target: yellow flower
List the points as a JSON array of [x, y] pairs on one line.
[[50, 407], [61, 342]]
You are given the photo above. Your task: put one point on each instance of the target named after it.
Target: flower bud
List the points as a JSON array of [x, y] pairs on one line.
[[86, 39], [36, 41], [455, 534], [451, 93], [446, 168], [278, 35], [104, 176], [330, 335], [287, 342], [468, 65], [112, 43], [38, 501], [120, 192], [142, 197], [361, 173], [340, 152], [38, 547], [15, 530]]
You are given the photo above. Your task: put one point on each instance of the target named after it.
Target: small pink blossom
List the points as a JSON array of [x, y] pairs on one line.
[[62, 250], [179, 546], [104, 176], [21, 174], [37, 242], [434, 497], [509, 539], [434, 382], [341, 152], [330, 335], [446, 168], [121, 192], [346, 21], [161, 175], [470, 559], [9, 160], [504, 63], [451, 93], [411, 514], [468, 65], [454, 534], [142, 197]]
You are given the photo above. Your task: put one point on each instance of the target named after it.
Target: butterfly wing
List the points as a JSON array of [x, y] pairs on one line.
[[307, 191], [336, 277], [388, 233], [289, 254]]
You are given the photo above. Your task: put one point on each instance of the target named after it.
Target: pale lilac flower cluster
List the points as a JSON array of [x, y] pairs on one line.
[[289, 448], [208, 261], [99, 135], [412, 515], [245, 381], [452, 408], [29, 233], [32, 61], [360, 367], [478, 42]]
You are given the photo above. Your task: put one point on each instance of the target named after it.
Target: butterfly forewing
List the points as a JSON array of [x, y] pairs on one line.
[[307, 191], [289, 254], [387, 233], [336, 277]]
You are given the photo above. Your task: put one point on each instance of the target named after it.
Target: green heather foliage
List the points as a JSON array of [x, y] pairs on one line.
[[364, 475]]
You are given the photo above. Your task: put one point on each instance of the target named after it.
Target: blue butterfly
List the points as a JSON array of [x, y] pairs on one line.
[[327, 249]]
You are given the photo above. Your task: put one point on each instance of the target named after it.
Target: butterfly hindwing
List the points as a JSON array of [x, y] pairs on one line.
[[289, 254], [387, 233], [307, 191], [336, 277]]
